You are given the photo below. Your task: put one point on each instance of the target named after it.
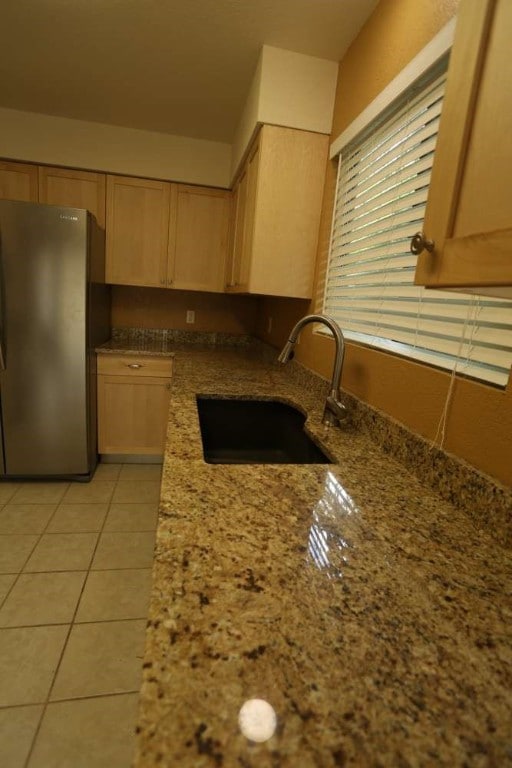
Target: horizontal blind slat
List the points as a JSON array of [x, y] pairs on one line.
[[417, 112], [400, 181], [395, 211], [379, 250], [394, 114], [388, 235], [380, 173], [409, 323], [492, 321], [360, 182], [491, 373]]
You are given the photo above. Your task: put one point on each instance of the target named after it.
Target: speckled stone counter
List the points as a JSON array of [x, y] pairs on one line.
[[163, 343], [373, 616]]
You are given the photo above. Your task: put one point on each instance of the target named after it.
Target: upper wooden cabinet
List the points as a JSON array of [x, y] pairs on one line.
[[166, 235], [277, 204], [55, 186], [198, 236], [469, 212], [18, 181], [77, 189], [137, 231], [236, 271]]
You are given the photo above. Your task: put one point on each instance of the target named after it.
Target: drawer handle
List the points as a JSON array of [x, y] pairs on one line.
[[134, 365]]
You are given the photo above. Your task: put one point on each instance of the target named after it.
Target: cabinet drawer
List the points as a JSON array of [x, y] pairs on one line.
[[135, 365]]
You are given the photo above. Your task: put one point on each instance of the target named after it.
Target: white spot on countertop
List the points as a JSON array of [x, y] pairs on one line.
[[257, 720]]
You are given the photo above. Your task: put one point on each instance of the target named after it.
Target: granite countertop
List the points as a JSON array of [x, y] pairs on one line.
[[157, 343], [153, 347], [373, 616]]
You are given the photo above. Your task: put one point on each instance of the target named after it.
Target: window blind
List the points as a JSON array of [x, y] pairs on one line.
[[381, 194]]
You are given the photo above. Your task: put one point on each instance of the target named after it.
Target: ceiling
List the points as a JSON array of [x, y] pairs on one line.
[[162, 65]]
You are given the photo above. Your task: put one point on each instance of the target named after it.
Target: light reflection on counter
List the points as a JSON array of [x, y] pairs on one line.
[[326, 547], [257, 720]]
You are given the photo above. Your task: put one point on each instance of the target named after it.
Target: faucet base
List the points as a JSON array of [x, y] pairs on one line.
[[335, 413]]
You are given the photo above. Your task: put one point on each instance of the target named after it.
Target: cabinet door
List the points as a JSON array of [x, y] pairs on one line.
[[18, 181], [132, 414], [291, 176], [233, 272], [198, 235], [137, 231], [245, 263], [77, 189], [277, 214], [469, 216]]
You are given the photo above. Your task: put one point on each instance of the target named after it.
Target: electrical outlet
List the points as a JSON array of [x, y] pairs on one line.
[[191, 316], [269, 325]]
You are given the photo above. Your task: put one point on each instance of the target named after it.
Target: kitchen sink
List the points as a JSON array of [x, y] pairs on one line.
[[238, 431]]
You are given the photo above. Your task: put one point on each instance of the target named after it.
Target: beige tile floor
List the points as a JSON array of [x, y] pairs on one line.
[[75, 575]]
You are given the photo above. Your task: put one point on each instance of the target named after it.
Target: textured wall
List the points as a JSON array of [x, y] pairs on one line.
[[160, 308], [38, 138]]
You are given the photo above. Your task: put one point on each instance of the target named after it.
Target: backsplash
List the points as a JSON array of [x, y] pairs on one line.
[[169, 336], [136, 307]]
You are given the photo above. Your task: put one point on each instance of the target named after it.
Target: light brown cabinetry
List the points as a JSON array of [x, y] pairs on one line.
[[137, 231], [77, 189], [237, 265], [133, 404], [469, 215], [278, 199], [55, 186], [198, 237], [18, 181], [166, 235]]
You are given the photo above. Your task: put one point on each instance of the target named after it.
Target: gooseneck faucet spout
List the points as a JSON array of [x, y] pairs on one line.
[[334, 412]]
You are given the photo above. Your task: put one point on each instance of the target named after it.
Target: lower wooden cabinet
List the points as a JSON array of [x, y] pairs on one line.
[[133, 404]]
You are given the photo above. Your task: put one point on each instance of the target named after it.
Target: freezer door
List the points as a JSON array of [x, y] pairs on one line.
[[43, 387]]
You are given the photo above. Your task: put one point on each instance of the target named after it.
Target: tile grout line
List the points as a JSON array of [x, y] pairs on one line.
[[39, 537], [117, 484], [90, 696], [64, 646], [77, 623], [85, 570], [43, 710], [16, 581]]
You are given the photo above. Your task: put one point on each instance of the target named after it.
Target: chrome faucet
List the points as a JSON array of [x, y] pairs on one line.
[[334, 412]]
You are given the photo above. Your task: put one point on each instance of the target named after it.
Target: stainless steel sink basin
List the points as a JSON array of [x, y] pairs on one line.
[[238, 431]]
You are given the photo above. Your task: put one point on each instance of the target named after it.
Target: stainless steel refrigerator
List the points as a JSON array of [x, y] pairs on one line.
[[54, 310]]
